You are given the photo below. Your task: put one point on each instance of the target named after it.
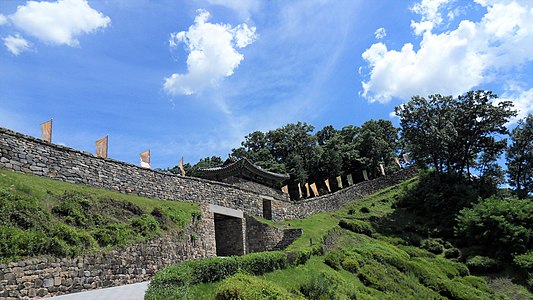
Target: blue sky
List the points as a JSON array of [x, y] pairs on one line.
[[191, 78]]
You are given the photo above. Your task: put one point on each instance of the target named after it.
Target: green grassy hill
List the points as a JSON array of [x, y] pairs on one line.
[[39, 216], [349, 254]]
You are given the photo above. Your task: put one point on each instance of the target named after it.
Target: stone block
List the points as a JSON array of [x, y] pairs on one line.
[[48, 282]]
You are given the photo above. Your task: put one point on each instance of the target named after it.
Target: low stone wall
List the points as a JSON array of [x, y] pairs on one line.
[[263, 237], [49, 276], [27, 154], [335, 201]]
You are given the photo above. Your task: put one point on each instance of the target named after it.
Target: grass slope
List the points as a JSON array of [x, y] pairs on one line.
[[357, 260], [43, 216]]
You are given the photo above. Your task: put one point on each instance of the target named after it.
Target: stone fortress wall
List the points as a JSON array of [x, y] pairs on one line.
[[219, 202]]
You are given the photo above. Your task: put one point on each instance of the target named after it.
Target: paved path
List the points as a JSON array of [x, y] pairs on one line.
[[124, 292]]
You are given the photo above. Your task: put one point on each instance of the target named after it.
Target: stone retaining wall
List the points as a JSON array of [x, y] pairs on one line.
[[263, 237], [49, 276]]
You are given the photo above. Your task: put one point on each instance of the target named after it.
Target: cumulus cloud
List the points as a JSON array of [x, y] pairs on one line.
[[58, 22], [522, 100], [212, 54], [3, 20], [455, 61], [380, 33], [16, 44], [430, 12]]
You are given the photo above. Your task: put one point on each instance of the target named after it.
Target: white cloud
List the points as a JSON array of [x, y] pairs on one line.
[[58, 22], [380, 33], [431, 17], [455, 61], [212, 54], [3, 20], [16, 44], [522, 100]]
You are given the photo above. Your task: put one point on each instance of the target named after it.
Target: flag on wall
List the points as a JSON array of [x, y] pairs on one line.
[[181, 167], [382, 168], [300, 190], [397, 161], [285, 189], [365, 175], [46, 130], [406, 158], [307, 189], [145, 159], [101, 147], [327, 184], [350, 179], [315, 190], [339, 182]]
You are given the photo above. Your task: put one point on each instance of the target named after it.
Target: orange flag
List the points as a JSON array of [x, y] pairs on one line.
[[300, 190], [350, 179], [145, 159], [285, 189], [46, 130], [315, 190], [327, 184], [397, 161], [101, 147], [181, 167], [307, 189], [406, 158], [339, 182], [365, 175], [382, 168]]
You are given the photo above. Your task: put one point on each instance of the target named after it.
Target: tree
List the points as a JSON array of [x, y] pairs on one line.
[[376, 143], [455, 135], [520, 157]]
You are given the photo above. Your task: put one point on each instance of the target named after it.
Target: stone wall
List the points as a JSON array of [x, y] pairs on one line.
[[49, 276], [335, 201], [263, 237], [34, 156]]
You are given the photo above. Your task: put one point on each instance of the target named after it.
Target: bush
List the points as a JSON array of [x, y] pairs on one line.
[[432, 245], [217, 268], [113, 235], [320, 286], [245, 287], [299, 257], [262, 262], [334, 259], [452, 253], [482, 264], [145, 225], [502, 225], [357, 226], [524, 261]]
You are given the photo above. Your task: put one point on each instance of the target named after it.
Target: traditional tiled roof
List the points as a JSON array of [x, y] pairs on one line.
[[242, 168]]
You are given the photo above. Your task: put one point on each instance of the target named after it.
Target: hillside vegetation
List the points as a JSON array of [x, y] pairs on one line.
[[349, 254], [41, 216]]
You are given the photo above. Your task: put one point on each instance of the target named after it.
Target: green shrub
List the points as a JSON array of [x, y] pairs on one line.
[[72, 208], [503, 225], [145, 226], [319, 287], [452, 253], [262, 262], [217, 268], [246, 287], [334, 259], [357, 226], [524, 261], [299, 257], [482, 264], [432, 245], [113, 235], [350, 264]]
